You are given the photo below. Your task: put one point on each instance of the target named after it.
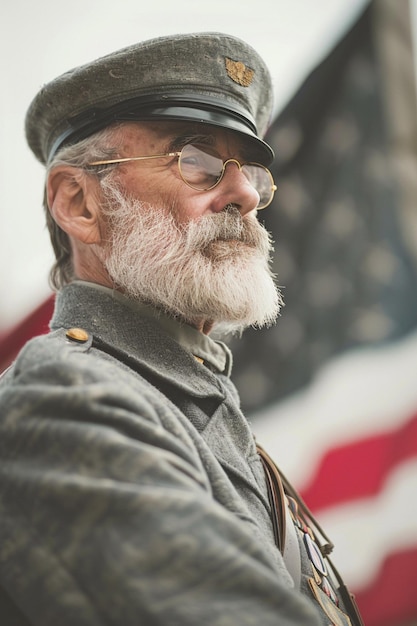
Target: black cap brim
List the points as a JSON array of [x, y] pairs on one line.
[[201, 109]]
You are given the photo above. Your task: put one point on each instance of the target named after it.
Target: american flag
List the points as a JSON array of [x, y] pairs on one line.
[[330, 390], [335, 379]]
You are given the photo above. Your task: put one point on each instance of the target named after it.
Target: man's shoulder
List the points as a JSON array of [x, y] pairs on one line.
[[58, 346], [66, 366], [61, 353]]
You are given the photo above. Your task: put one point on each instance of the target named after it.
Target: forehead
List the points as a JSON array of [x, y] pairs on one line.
[[173, 135]]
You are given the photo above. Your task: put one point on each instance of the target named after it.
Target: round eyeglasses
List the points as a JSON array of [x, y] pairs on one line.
[[202, 169]]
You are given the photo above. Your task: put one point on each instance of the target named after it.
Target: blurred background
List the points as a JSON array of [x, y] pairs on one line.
[[331, 391]]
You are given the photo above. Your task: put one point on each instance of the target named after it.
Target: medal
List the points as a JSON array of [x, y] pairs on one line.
[[315, 555], [337, 617]]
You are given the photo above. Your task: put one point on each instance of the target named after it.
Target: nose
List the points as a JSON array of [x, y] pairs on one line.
[[234, 188]]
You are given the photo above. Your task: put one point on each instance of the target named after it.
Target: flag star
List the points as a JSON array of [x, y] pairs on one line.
[[380, 264], [361, 75], [370, 325], [376, 167], [289, 334], [341, 135], [284, 264], [287, 140], [253, 385], [325, 288], [341, 218], [293, 200]]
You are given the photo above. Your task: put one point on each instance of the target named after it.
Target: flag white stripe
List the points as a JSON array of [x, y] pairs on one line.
[[363, 393], [366, 532]]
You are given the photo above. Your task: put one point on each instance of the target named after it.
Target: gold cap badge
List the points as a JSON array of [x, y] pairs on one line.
[[238, 72]]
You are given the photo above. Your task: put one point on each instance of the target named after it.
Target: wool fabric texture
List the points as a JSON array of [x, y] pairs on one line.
[[209, 78]]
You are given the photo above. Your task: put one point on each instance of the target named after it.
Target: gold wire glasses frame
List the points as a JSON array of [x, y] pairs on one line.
[[203, 171]]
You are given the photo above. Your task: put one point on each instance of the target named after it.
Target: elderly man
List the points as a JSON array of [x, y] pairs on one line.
[[131, 487]]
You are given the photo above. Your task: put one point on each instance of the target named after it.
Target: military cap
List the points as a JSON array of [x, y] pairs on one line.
[[210, 78]]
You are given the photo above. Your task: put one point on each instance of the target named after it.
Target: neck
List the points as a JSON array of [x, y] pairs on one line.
[[205, 327]]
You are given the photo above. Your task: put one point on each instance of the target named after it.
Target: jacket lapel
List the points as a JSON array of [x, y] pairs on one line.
[[142, 345]]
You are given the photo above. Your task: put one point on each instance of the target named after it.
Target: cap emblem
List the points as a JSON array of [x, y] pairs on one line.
[[238, 72]]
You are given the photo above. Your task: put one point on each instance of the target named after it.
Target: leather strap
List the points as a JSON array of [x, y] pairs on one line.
[[276, 497], [278, 485]]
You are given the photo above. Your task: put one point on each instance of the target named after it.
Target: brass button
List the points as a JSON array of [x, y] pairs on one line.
[[77, 334]]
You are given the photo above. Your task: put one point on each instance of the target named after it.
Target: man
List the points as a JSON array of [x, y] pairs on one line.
[[132, 490]]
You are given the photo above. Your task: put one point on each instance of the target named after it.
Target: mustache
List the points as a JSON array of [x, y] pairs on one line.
[[188, 237], [228, 225]]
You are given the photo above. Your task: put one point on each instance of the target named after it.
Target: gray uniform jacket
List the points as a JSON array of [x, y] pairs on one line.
[[131, 492]]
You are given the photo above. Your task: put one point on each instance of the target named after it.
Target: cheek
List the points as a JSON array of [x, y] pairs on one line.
[[166, 192], [143, 188], [149, 184], [187, 207]]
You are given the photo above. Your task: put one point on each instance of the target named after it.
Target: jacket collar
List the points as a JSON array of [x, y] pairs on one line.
[[136, 339]]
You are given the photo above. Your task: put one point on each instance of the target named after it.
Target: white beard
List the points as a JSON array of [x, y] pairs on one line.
[[214, 269]]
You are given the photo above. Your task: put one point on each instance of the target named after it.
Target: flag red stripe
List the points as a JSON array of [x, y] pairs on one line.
[[36, 323], [392, 597], [358, 470]]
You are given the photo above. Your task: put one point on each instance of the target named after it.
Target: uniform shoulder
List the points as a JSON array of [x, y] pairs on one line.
[[55, 346], [58, 343]]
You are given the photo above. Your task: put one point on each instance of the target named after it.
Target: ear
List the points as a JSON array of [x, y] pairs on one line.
[[73, 202]]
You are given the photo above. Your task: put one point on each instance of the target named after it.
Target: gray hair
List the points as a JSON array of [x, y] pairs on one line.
[[100, 146]]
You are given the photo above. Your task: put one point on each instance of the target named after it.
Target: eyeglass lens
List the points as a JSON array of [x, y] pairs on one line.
[[202, 170]]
